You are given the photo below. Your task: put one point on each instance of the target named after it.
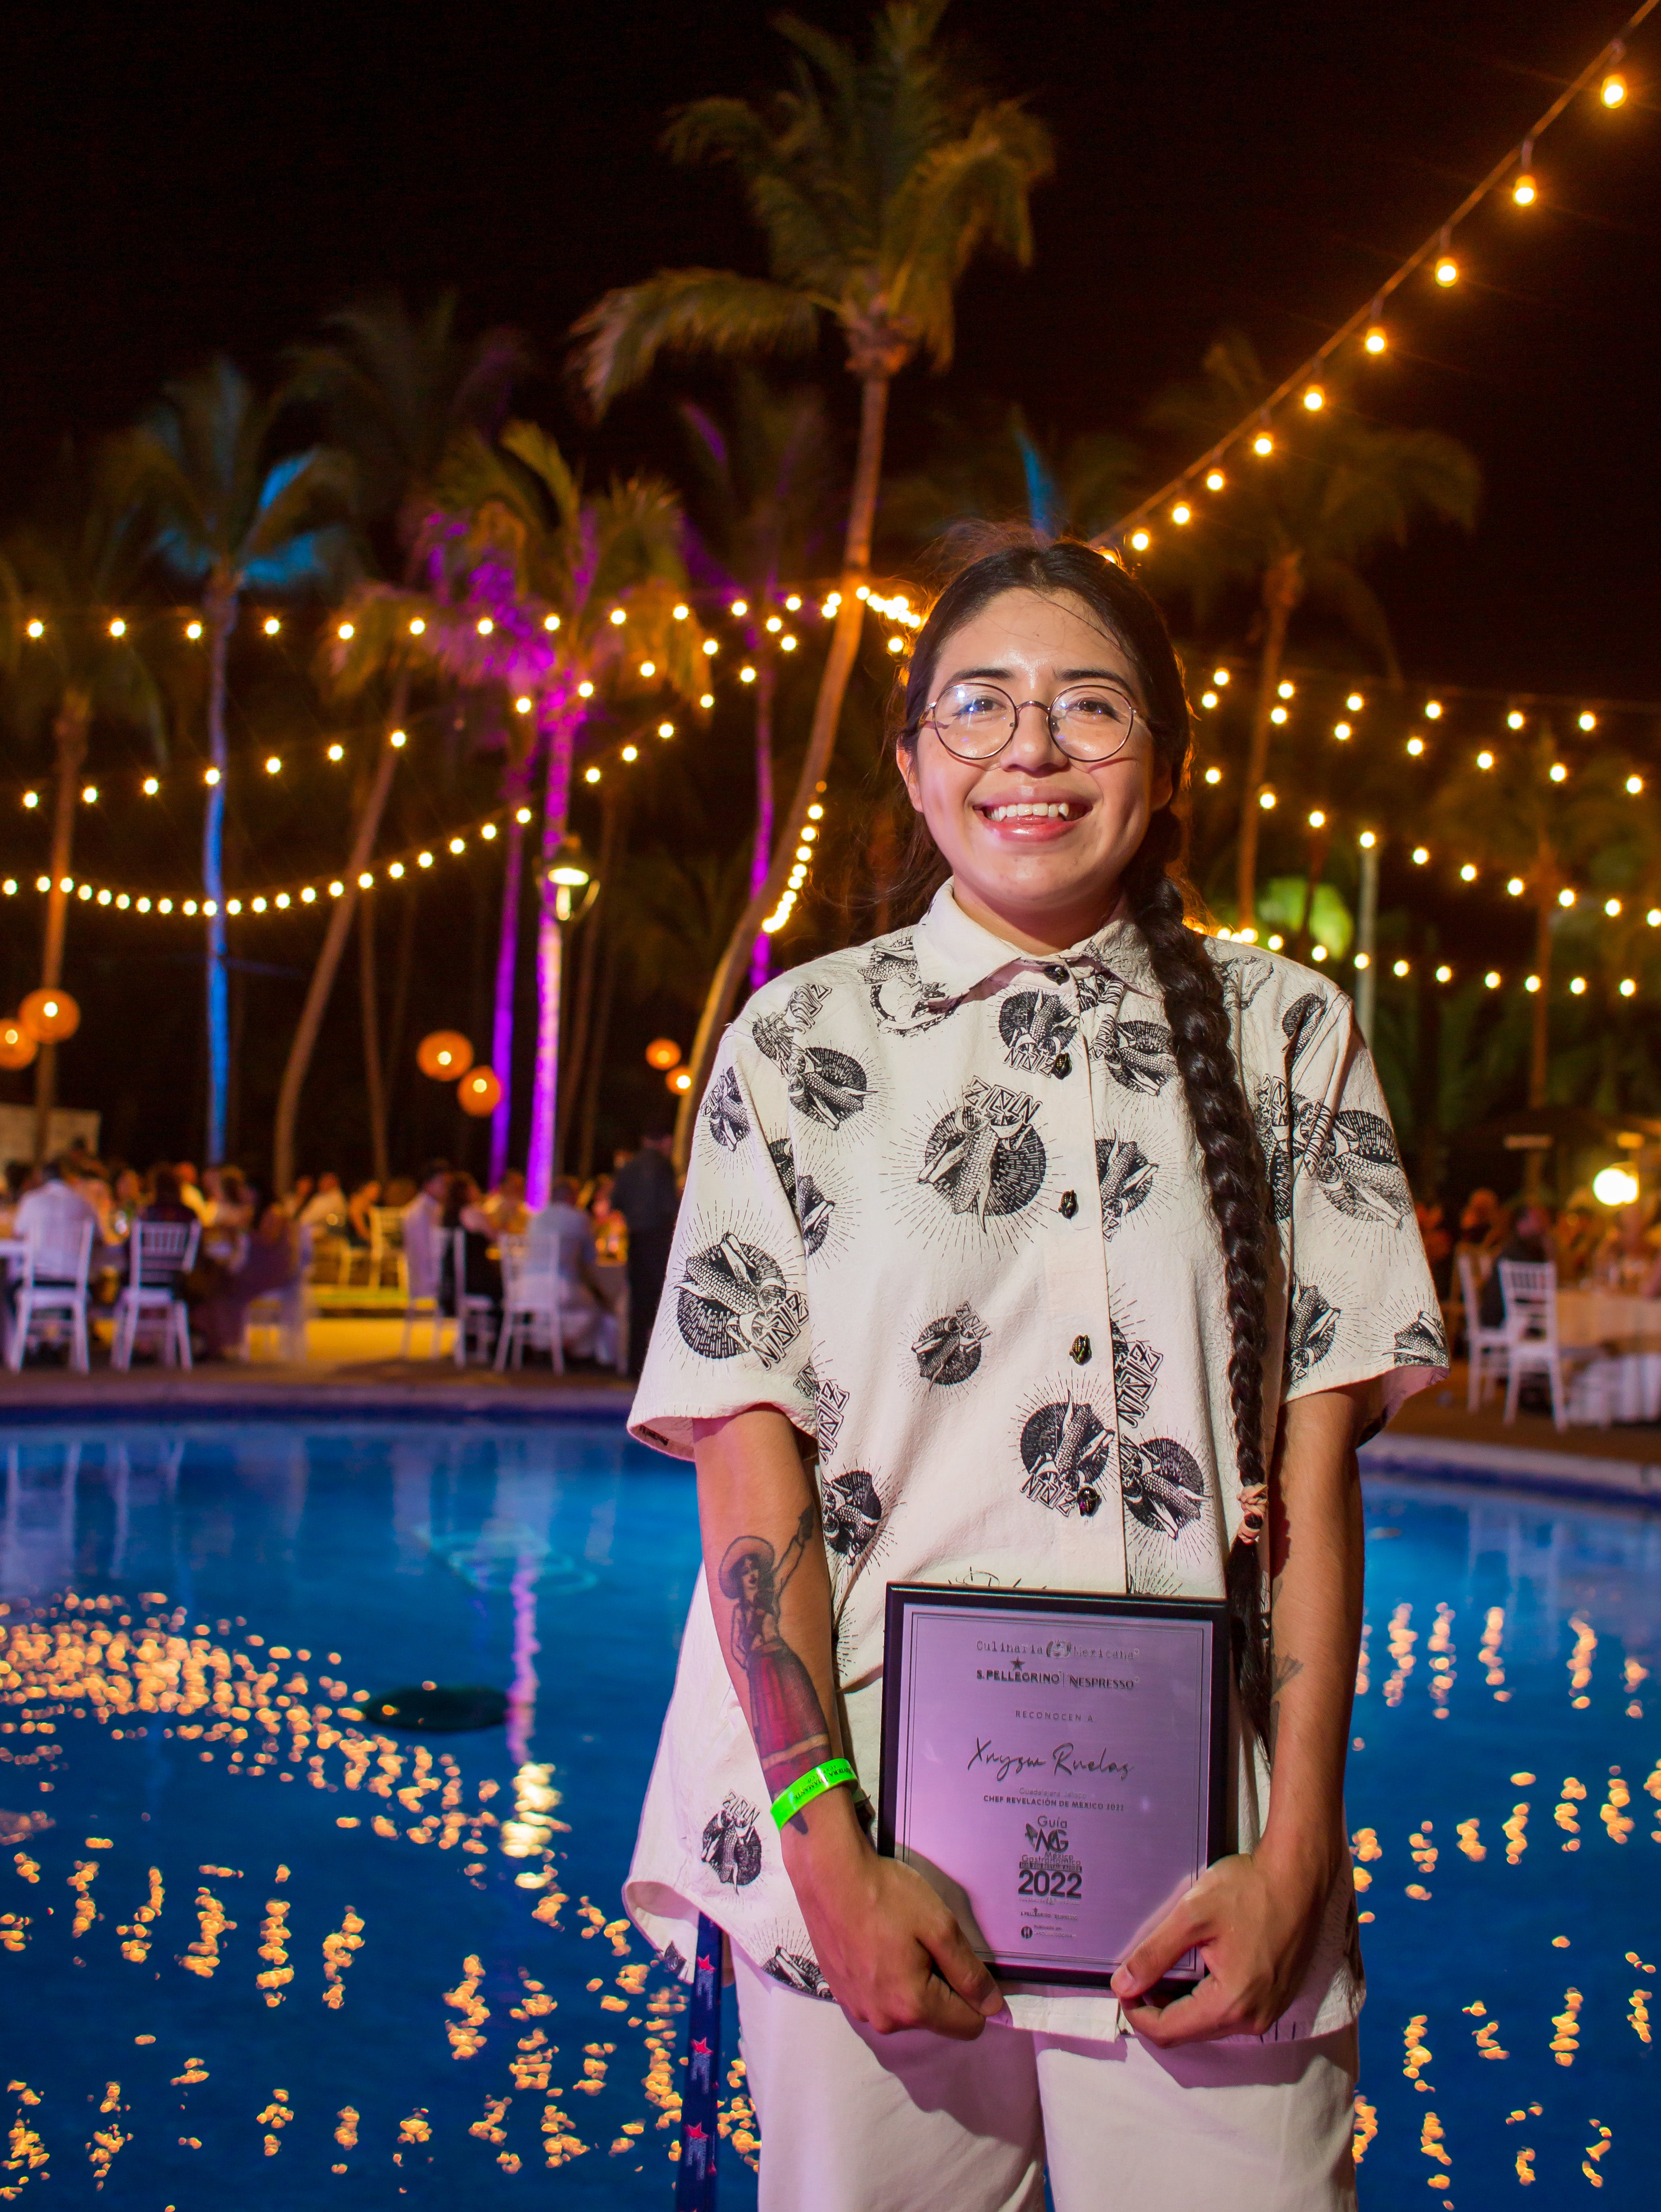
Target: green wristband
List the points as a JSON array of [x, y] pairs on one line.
[[832, 1775]]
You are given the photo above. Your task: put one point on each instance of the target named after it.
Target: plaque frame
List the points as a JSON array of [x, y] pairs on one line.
[[906, 1600]]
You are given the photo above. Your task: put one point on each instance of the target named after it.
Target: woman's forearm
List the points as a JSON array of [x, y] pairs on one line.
[[1315, 1539], [769, 1590]]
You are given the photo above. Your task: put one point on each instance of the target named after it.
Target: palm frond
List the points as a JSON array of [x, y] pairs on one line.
[[686, 312]]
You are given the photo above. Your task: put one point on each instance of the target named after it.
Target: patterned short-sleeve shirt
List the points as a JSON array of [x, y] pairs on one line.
[[945, 1213]]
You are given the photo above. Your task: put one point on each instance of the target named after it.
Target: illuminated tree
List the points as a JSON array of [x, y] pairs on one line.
[[874, 181], [1295, 526]]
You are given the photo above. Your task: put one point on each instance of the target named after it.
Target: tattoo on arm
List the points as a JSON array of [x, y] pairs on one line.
[[1286, 1670], [786, 1717]]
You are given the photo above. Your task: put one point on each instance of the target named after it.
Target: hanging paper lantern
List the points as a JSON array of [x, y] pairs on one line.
[[444, 1055], [681, 1080], [480, 1092], [663, 1053], [17, 1047], [50, 1015]]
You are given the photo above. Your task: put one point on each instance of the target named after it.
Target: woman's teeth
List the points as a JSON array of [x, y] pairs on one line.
[[1050, 810]]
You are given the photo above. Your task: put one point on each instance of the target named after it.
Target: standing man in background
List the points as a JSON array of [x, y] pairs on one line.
[[645, 1194]]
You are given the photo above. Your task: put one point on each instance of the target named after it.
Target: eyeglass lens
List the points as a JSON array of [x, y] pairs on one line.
[[1090, 722]]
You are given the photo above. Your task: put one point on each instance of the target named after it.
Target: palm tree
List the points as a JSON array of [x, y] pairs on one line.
[[873, 182], [229, 519], [1520, 820], [69, 581], [986, 464], [574, 603], [1296, 527], [761, 484], [396, 389]]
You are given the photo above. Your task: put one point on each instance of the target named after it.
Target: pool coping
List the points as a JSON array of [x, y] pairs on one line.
[[328, 1403], [1563, 1475]]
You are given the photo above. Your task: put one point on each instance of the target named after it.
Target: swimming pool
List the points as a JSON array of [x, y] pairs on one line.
[[399, 1974]]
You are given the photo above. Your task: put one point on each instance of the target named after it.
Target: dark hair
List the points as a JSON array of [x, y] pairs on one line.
[[434, 1167], [1156, 897]]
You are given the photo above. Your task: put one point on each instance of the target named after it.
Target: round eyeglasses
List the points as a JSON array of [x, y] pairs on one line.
[[1089, 722]]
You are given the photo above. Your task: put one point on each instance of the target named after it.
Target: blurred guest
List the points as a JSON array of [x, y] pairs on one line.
[[1579, 1235], [325, 1208], [1438, 1240], [481, 1271], [1529, 1244], [421, 1219], [165, 1201], [53, 1213], [19, 1175], [294, 1203], [269, 1262], [610, 1229], [126, 1196], [645, 1194], [562, 1239], [1482, 1227], [509, 1215], [366, 1195], [190, 1189]]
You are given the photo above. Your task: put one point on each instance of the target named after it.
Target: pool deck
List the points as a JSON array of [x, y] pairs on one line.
[[354, 1373]]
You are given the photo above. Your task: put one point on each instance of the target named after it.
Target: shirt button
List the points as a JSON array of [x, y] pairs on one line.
[[1080, 1353], [1056, 973], [1063, 1064], [1070, 1204], [1089, 1500]]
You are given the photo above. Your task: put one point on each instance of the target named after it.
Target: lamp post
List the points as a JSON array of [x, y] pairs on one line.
[[1366, 936], [567, 887]]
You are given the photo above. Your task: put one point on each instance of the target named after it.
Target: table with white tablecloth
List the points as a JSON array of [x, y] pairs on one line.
[[1624, 1384]]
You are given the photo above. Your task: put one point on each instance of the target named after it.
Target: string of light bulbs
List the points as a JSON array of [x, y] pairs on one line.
[[1253, 431]]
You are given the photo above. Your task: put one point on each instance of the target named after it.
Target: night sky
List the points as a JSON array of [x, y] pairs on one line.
[[185, 179]]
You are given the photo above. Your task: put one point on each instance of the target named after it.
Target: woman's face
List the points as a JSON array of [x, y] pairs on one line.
[[1037, 844]]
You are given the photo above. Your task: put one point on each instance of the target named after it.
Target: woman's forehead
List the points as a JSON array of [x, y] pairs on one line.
[[1027, 626]]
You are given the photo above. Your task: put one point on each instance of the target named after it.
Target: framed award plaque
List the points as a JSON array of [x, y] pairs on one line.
[[1055, 1766]]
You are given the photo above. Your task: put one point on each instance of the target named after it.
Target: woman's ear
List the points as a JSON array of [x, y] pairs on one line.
[[905, 759]]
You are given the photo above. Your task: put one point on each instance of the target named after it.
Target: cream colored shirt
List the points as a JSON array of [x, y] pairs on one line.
[[946, 1213]]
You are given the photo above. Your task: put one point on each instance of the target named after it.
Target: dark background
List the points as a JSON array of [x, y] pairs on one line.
[[183, 179]]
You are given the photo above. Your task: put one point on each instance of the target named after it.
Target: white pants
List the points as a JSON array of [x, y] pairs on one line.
[[854, 2121]]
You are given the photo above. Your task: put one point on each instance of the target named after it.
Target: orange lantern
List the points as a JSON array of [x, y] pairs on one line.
[[681, 1080], [480, 1092], [17, 1047], [50, 1015], [444, 1055], [663, 1053]]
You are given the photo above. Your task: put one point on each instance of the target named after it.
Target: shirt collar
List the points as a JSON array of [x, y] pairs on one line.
[[956, 955]]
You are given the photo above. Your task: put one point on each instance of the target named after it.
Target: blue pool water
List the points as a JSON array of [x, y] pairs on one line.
[[263, 1954]]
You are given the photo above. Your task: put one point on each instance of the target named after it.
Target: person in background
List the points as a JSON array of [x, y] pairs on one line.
[[562, 1237], [1438, 1242], [481, 1271], [18, 1176], [1529, 1244], [269, 1262], [126, 1196], [423, 1217], [610, 1229], [165, 1201], [190, 1188], [294, 1203], [358, 1224], [645, 1194], [53, 1211], [325, 1209], [509, 1215], [1579, 1238]]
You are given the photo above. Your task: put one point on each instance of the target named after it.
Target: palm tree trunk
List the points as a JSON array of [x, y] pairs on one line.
[[374, 1072], [502, 1024], [1545, 900], [403, 968], [550, 951], [577, 1044], [1283, 587], [821, 741], [596, 1067], [70, 740], [1318, 842], [761, 955], [328, 959], [221, 609]]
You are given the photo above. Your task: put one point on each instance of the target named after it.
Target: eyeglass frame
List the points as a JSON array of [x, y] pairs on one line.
[[1018, 707]]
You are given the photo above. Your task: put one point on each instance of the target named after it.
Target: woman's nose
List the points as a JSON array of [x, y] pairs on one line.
[[1032, 746]]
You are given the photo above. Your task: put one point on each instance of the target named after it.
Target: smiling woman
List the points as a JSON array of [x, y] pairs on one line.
[[1021, 1250]]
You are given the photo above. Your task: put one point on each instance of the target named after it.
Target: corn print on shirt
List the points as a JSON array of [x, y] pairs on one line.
[[946, 1213]]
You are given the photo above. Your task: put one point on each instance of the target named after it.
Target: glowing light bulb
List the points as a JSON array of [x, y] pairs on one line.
[[1421, 855], [1181, 513], [273, 766], [152, 785], [308, 896], [336, 890], [1288, 690], [1140, 540], [1517, 887], [748, 675], [1514, 720], [1613, 90], [1445, 975], [1432, 710], [1400, 968], [1492, 979], [1634, 785], [487, 832], [210, 776], [1213, 775], [1611, 907], [1558, 773], [346, 630], [552, 622], [1578, 984], [271, 625], [1415, 746], [284, 901], [1467, 874], [1266, 799], [38, 628], [710, 646], [1524, 191], [1530, 982], [794, 602], [1215, 480], [232, 906], [1628, 986], [1565, 898], [1277, 714], [1485, 760], [1367, 841], [740, 606], [1263, 444], [1317, 820], [786, 645], [1207, 698], [815, 813], [521, 815], [1447, 270], [707, 700], [666, 729], [585, 689], [1220, 676], [591, 775], [418, 628], [1355, 702], [117, 628], [337, 752], [773, 625], [632, 752], [1317, 952], [1315, 399], [484, 626], [458, 844], [1375, 339], [423, 859], [1341, 731], [1589, 720]]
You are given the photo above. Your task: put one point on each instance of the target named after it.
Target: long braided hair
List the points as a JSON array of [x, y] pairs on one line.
[[1156, 897]]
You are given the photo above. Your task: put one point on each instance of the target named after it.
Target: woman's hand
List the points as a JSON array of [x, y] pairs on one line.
[[892, 1953], [1254, 1920]]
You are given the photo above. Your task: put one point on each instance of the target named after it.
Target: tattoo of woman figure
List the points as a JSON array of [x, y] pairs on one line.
[[786, 1717], [1286, 1670]]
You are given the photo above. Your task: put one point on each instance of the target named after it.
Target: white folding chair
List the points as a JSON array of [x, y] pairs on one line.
[[158, 1253], [530, 1307], [1486, 1348], [386, 1243], [422, 1244], [52, 1291], [473, 1316], [1533, 1346]]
